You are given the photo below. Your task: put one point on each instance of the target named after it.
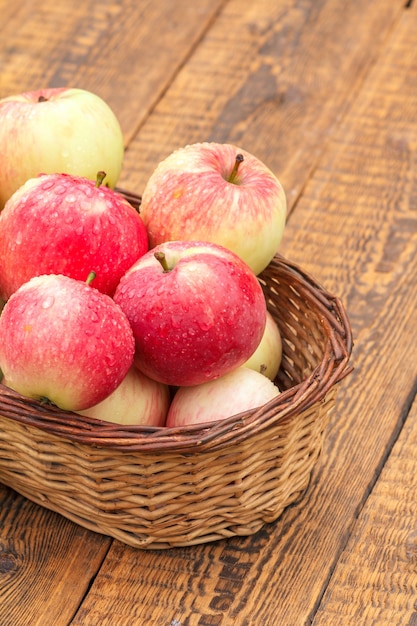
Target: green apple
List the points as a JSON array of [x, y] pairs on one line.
[[57, 130], [267, 357]]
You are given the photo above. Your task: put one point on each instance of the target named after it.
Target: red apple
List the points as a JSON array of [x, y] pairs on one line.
[[267, 357], [220, 193], [62, 224], [196, 313], [138, 400], [64, 341], [240, 390], [57, 130]]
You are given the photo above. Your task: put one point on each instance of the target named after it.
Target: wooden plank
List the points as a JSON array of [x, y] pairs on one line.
[[273, 77], [278, 575], [46, 563], [9, 11], [375, 581], [125, 52], [104, 48]]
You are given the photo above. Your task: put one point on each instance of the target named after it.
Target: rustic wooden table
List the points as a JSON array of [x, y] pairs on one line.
[[325, 92]]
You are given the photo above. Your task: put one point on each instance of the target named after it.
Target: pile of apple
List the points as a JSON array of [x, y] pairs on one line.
[[152, 317]]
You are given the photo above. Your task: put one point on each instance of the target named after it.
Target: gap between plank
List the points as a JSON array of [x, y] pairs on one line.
[[411, 398]]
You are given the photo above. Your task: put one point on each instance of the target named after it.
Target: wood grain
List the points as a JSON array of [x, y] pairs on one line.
[[375, 581], [126, 52], [355, 227], [267, 76], [46, 563]]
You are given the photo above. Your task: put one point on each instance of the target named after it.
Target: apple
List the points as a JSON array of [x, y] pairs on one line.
[[63, 224], [220, 193], [240, 390], [138, 400], [63, 341], [267, 357], [196, 309], [57, 130]]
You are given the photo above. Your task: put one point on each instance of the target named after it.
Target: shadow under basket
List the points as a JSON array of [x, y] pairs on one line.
[[161, 488]]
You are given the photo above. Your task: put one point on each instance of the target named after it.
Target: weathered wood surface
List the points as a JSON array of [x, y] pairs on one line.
[[326, 93], [126, 52], [274, 77], [43, 574], [375, 580]]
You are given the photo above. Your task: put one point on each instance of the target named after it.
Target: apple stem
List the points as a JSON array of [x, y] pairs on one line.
[[160, 256], [42, 99], [44, 400], [100, 177], [233, 174], [91, 276]]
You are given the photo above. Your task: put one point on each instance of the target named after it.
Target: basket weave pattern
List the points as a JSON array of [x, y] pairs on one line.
[[160, 488]]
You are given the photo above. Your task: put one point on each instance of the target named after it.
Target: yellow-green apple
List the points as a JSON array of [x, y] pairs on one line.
[[138, 400], [64, 341], [216, 192], [57, 130], [63, 224], [240, 390], [196, 309], [267, 357]]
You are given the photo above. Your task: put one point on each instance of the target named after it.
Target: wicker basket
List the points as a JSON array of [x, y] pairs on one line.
[[160, 488]]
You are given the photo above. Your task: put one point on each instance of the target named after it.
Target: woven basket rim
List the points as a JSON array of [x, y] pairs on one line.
[[334, 366]]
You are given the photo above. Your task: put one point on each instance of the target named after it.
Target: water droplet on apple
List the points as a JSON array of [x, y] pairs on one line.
[[205, 324], [48, 302], [60, 189], [19, 238], [176, 321], [94, 316], [47, 184], [111, 218], [110, 360], [230, 320]]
